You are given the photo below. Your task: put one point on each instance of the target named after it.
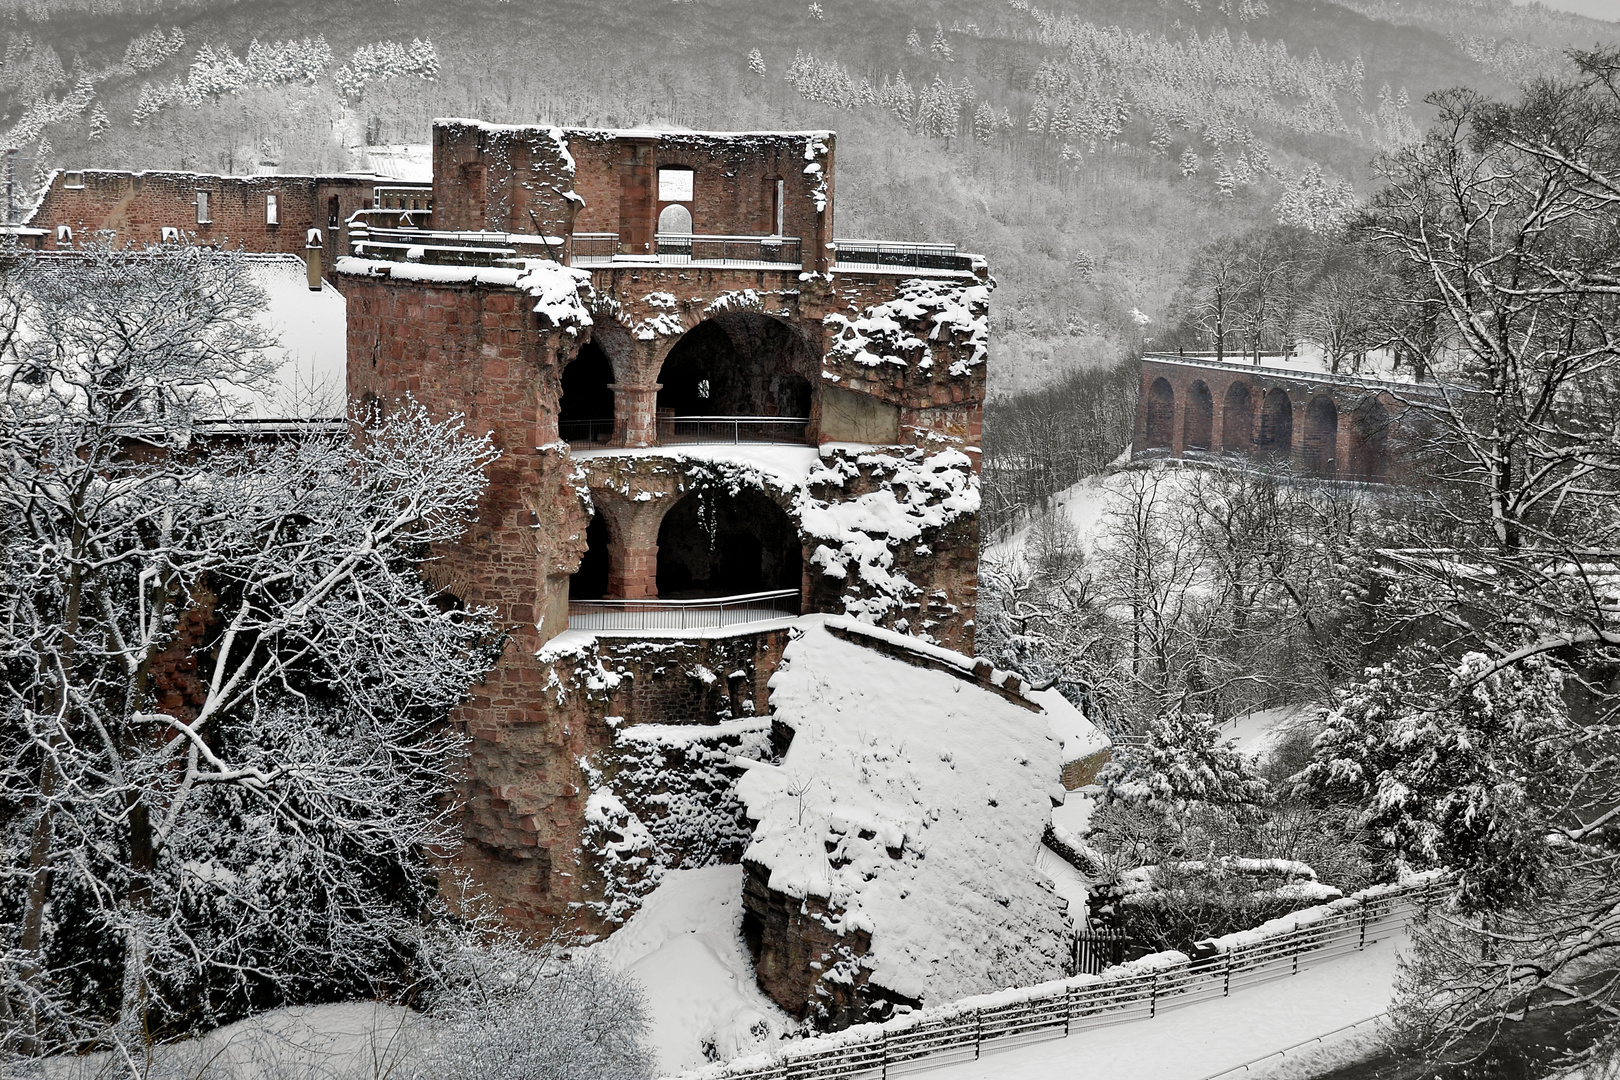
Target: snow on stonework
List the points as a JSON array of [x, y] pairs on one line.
[[911, 801], [861, 538], [946, 311], [562, 294]]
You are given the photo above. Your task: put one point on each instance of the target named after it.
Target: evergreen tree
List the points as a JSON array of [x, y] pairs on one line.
[[984, 123], [756, 63]]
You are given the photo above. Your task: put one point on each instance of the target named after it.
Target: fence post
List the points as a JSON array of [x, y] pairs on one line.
[[1363, 943], [1153, 996], [1226, 984], [978, 1033]]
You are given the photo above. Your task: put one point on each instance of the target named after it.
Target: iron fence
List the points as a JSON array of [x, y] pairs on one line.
[[733, 429], [591, 431], [884, 255], [594, 247], [1139, 991], [726, 250], [702, 614]]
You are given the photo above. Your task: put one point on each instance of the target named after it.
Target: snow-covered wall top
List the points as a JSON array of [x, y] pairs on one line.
[[562, 295], [913, 802]]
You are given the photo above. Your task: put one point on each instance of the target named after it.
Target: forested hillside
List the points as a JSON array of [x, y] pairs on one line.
[[1089, 148]]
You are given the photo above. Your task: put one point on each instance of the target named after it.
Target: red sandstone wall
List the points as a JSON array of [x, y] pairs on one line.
[[136, 207], [1347, 398]]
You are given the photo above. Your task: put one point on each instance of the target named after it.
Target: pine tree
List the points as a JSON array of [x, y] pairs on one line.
[[99, 123], [1225, 182], [1189, 163], [815, 11], [914, 41], [939, 48], [984, 123], [43, 168], [756, 63]]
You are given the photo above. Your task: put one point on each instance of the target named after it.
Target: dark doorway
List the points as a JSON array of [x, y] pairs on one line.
[[1277, 425], [590, 581], [1161, 413], [742, 364], [1237, 420], [1369, 434], [1199, 423], [715, 544], [1319, 450], [585, 413]]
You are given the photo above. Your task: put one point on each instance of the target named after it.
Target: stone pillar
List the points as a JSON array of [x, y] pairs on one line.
[[1296, 448], [637, 178], [635, 411], [1217, 421], [633, 556]]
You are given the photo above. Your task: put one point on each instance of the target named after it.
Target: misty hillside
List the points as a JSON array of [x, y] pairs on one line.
[[1088, 148]]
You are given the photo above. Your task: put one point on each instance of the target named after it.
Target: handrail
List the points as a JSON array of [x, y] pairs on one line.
[[1141, 990], [701, 602], [703, 613], [715, 428], [1247, 1065]]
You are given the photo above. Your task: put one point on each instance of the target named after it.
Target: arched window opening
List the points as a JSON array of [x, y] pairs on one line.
[[739, 376], [1161, 413], [1319, 451], [715, 544], [1277, 425], [590, 581], [1199, 423], [1237, 420], [675, 220], [585, 413], [1369, 434]]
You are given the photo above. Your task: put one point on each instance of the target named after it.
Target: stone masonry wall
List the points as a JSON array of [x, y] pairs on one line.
[[136, 207]]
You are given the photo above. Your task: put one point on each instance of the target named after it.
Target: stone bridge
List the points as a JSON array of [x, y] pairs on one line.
[[1333, 427]]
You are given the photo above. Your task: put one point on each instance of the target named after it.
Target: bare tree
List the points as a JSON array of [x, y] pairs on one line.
[[223, 762]]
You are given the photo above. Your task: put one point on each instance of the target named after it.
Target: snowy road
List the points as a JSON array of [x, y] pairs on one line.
[[1198, 1041]]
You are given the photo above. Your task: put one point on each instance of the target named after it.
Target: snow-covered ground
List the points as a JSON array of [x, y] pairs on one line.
[[1199, 1041], [1257, 734], [685, 948]]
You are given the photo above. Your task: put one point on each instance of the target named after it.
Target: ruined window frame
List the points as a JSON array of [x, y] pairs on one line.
[[272, 209], [204, 215]]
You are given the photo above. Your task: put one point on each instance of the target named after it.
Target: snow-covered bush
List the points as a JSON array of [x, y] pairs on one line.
[[518, 1013]]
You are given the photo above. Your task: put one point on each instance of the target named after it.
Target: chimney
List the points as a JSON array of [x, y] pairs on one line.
[[312, 259]]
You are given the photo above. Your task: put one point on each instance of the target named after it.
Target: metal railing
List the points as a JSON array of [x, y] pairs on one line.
[[681, 248], [682, 614], [594, 247], [418, 197], [965, 1030], [733, 429], [884, 255], [592, 431]]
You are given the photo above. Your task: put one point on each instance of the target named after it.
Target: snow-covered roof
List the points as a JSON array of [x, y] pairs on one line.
[[311, 331], [410, 163], [913, 800], [644, 132]]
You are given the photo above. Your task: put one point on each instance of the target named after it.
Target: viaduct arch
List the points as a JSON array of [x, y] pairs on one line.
[[1316, 425]]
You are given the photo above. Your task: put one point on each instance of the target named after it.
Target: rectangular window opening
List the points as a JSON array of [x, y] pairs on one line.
[[203, 217], [780, 200], [73, 180], [675, 185], [272, 210]]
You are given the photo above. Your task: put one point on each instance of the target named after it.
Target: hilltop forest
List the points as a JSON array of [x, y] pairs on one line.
[[1090, 148]]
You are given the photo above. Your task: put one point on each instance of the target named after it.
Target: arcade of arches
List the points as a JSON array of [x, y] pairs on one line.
[[735, 364], [707, 543], [1332, 430]]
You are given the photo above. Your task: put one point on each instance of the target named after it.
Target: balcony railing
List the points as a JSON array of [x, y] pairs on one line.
[[727, 250], [375, 234], [883, 255], [682, 249], [682, 614], [590, 431], [732, 429]]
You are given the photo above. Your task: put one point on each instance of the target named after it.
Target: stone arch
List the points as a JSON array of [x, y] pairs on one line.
[[585, 412], [1319, 448], [716, 543], [1276, 425], [1368, 436], [1237, 419], [675, 220], [740, 364], [1198, 418], [1161, 413], [591, 580]]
